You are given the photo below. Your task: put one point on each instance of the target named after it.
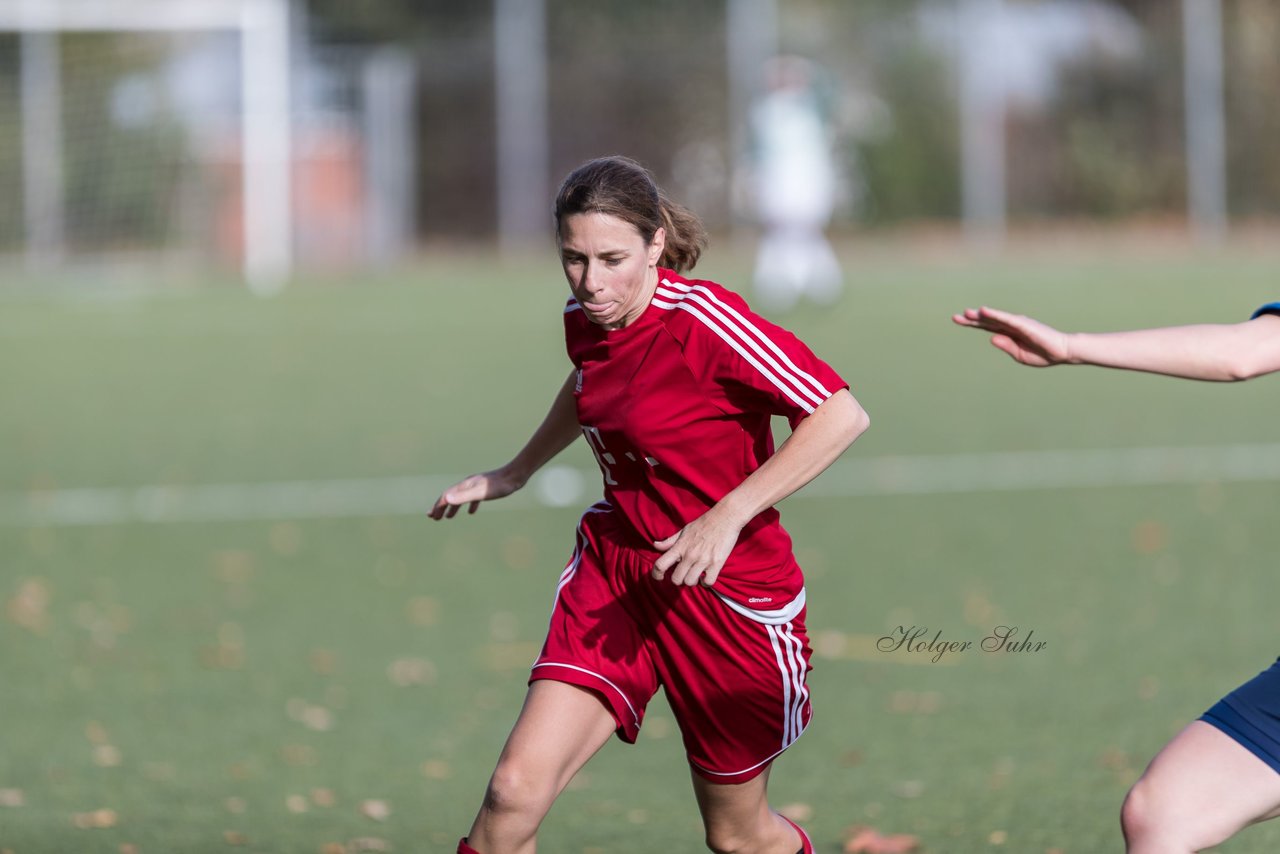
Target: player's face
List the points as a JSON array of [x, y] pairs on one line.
[[611, 270]]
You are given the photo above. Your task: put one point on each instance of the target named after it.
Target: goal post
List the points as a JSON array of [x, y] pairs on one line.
[[265, 112]]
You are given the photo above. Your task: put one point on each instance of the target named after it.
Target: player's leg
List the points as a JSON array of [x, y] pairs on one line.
[[738, 819], [1201, 789], [560, 727], [825, 282], [592, 679], [737, 687]]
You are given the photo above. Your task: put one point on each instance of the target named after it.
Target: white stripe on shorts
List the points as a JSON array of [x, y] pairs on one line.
[[619, 691], [579, 547], [784, 664], [789, 653]]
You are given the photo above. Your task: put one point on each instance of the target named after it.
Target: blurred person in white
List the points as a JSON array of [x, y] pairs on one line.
[[1222, 772], [795, 172]]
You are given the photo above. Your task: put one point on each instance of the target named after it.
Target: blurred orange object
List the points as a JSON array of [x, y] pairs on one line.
[[868, 840]]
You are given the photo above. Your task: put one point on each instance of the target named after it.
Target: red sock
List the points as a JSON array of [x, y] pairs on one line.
[[464, 848], [806, 847]]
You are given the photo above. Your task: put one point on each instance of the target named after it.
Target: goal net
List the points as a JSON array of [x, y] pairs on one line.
[[146, 131]]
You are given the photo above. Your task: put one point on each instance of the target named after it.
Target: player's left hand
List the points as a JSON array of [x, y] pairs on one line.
[[697, 552], [1024, 338]]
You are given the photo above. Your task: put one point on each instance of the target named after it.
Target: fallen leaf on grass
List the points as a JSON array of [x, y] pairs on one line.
[[295, 804], [1150, 537], [285, 539], [236, 806], [29, 608], [436, 769], [658, 728], [998, 837], [323, 797], [868, 840], [909, 788], [106, 756], [368, 843], [424, 611], [851, 758], [235, 837], [299, 754], [376, 810], [95, 820], [12, 798], [317, 718], [128, 848], [222, 657], [323, 662], [411, 671], [233, 566], [797, 812]]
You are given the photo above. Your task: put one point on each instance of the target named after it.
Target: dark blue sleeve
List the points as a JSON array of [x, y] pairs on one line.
[[1269, 308]]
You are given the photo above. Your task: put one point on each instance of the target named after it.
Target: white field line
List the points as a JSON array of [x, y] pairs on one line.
[[562, 487]]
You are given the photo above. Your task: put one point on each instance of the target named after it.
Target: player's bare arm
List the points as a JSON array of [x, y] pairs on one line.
[[557, 432], [1210, 352], [699, 550]]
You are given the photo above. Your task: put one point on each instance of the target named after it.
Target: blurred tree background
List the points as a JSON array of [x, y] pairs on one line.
[[650, 81], [1103, 137]]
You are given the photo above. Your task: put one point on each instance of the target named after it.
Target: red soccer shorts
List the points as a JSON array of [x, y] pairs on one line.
[[736, 684]]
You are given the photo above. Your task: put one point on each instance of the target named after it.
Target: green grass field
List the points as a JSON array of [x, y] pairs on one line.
[[255, 683]]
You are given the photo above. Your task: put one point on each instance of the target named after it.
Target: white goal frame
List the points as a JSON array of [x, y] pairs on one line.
[[263, 26]]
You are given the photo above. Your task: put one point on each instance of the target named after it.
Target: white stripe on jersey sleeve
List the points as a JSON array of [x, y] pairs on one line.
[[573, 305], [754, 329], [729, 324], [696, 312]]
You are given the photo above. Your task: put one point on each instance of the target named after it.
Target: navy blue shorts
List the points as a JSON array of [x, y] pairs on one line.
[[1251, 715]]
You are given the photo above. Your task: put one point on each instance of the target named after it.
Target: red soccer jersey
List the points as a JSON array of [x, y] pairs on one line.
[[676, 408]]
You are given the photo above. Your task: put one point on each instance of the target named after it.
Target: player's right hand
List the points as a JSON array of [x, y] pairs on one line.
[[1027, 340], [485, 486]]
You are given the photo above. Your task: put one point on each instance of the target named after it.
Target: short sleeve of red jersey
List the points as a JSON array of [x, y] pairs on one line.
[[745, 362]]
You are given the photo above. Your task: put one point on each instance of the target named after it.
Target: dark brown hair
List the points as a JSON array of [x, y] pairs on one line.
[[621, 187]]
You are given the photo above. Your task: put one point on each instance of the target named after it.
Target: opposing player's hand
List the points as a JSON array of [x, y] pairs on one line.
[[1027, 340], [471, 491], [697, 552]]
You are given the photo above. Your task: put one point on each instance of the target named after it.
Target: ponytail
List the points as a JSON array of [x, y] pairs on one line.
[[686, 237]]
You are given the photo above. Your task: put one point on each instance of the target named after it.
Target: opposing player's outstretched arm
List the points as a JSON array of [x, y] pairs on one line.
[[557, 432], [1214, 352], [698, 551]]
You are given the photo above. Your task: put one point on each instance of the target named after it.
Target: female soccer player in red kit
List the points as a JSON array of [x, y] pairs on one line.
[[1222, 772], [682, 576]]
